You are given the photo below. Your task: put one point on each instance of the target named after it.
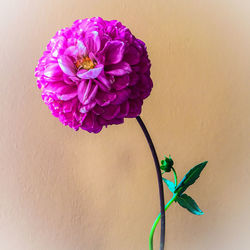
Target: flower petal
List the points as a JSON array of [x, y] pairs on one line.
[[114, 51], [121, 82], [104, 80], [103, 98], [101, 85], [121, 96], [98, 110], [53, 71], [92, 93], [111, 112], [61, 90], [119, 69], [86, 108], [87, 91], [67, 95], [134, 108], [90, 74], [83, 90], [67, 65], [134, 78], [75, 51], [124, 109], [132, 55], [81, 48], [90, 123], [71, 51], [92, 41], [105, 123], [67, 106]]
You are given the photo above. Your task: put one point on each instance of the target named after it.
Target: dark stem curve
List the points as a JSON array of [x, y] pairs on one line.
[[159, 177]]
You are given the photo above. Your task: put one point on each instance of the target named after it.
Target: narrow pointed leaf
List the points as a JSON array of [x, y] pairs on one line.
[[170, 184], [190, 178], [187, 202]]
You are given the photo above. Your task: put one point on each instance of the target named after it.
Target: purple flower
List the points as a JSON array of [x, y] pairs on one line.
[[94, 74]]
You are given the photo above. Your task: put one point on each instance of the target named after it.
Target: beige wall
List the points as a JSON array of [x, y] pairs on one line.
[[62, 190]]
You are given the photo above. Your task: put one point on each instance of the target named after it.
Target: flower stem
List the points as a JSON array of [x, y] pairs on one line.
[[159, 216], [157, 220], [175, 177], [160, 185]]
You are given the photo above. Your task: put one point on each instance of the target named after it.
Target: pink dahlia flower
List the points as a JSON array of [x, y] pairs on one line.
[[94, 74]]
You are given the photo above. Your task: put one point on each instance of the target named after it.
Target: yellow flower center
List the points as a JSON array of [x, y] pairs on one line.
[[85, 63]]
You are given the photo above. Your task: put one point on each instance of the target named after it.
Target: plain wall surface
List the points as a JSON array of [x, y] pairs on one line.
[[67, 190]]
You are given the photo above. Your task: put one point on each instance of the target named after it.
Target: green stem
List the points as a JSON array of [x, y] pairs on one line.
[[175, 177], [157, 220], [159, 216]]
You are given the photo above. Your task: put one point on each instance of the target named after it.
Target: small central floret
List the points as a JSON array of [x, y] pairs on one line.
[[85, 63]]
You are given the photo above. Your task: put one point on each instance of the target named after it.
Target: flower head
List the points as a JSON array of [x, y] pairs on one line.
[[93, 74]]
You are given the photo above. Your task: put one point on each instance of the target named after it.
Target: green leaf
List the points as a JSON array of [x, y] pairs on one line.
[[170, 184], [187, 202], [190, 178]]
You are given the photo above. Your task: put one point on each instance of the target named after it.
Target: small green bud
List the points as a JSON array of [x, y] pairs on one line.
[[167, 164]]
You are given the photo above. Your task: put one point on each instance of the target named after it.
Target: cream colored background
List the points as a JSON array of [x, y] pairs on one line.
[[62, 190]]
